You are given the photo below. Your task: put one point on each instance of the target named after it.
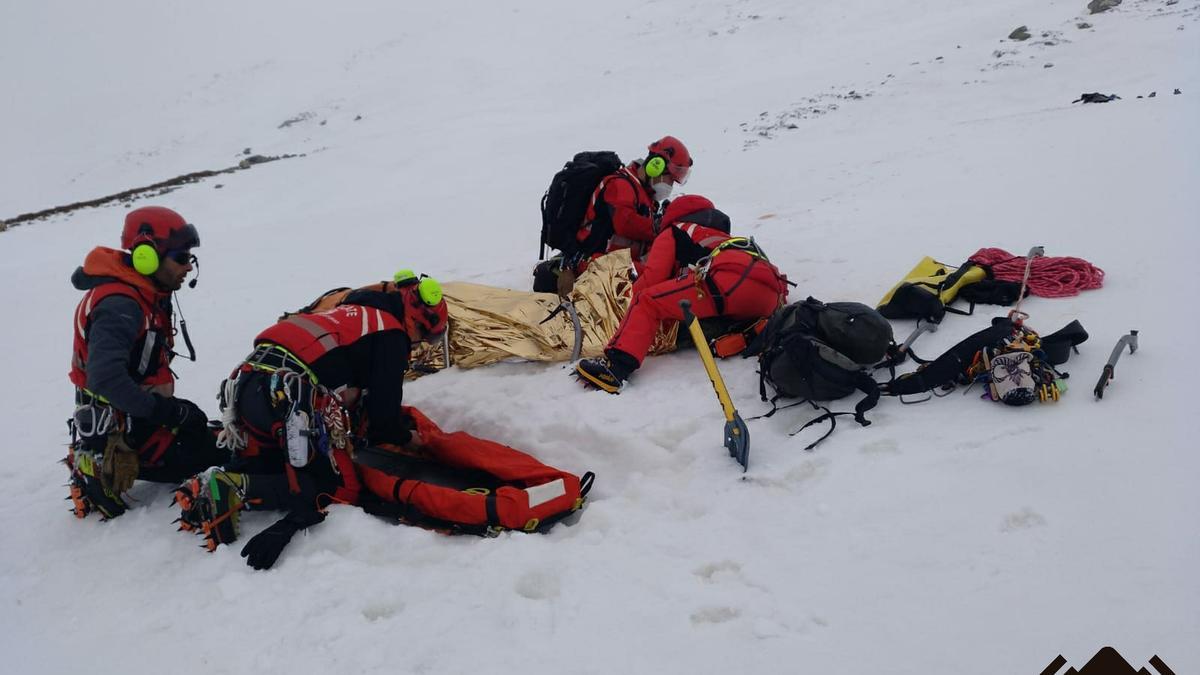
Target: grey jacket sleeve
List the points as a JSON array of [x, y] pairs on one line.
[[115, 322]]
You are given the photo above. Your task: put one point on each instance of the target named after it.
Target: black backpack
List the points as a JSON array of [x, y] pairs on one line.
[[566, 200], [822, 352]]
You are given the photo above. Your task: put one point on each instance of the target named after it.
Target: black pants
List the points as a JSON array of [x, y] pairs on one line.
[[187, 453]]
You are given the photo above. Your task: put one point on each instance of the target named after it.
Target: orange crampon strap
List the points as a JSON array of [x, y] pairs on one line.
[[733, 344]]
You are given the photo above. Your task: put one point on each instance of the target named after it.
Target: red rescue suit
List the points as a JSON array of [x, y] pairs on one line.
[[622, 212], [738, 284]]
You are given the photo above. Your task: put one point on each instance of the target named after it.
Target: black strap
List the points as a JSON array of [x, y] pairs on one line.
[[718, 299], [493, 514], [776, 407], [545, 230], [831, 416], [585, 483]]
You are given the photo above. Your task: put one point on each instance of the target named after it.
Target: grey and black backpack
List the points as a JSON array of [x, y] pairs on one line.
[[815, 351]]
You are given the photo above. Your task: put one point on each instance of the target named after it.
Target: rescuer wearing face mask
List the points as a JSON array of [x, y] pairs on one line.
[[626, 207]]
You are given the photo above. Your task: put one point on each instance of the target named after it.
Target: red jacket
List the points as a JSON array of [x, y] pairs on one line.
[[675, 248], [359, 344], [622, 203], [310, 336], [105, 273], [685, 244]]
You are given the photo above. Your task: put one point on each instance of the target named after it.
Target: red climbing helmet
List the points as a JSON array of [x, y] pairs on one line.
[[676, 160], [684, 206], [160, 227]]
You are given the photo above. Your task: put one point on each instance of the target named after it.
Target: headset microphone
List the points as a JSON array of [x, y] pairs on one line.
[[195, 279]]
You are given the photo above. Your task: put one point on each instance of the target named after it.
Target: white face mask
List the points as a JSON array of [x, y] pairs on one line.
[[663, 190]]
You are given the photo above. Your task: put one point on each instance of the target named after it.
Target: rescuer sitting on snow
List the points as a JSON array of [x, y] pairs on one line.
[[127, 423], [622, 212], [693, 258]]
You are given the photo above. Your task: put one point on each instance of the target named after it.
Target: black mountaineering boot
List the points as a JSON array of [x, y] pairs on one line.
[[607, 374], [211, 503]]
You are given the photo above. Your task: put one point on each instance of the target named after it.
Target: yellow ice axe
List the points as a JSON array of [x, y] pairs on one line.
[[737, 436]]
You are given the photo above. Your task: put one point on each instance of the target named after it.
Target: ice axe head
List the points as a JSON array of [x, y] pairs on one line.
[[737, 440]]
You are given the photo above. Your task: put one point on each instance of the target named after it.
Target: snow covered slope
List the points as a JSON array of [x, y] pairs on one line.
[[850, 138]]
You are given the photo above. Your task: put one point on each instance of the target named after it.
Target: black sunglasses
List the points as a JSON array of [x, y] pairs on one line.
[[182, 257]]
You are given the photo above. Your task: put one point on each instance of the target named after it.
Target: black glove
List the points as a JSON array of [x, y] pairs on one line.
[[264, 548], [178, 413]]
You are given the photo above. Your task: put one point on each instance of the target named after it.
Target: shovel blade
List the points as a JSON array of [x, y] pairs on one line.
[[737, 440]]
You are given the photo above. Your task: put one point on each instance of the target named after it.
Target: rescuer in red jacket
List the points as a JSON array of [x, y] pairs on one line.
[[313, 383], [622, 213], [127, 423], [693, 258]]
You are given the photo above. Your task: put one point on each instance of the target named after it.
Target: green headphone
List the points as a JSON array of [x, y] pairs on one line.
[[427, 287], [143, 254], [655, 166]]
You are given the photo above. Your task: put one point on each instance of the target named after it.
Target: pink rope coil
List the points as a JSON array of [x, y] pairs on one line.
[[1048, 277]]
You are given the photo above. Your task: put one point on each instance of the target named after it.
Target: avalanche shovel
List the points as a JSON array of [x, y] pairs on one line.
[[737, 436]]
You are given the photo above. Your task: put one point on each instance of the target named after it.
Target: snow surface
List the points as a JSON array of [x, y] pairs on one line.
[[953, 536]]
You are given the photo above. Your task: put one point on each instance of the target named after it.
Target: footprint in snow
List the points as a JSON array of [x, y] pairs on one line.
[[881, 447], [709, 573], [1024, 519], [1006, 436], [808, 470], [381, 611], [714, 615], [538, 586]]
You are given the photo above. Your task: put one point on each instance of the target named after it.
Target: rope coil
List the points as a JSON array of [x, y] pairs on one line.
[[1060, 277]]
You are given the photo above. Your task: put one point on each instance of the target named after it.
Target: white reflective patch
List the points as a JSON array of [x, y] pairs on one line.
[[84, 311], [364, 323], [297, 438], [147, 350], [540, 494], [379, 319]]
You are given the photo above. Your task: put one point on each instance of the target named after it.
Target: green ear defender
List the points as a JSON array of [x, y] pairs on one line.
[[145, 259], [142, 254], [427, 287], [655, 166], [430, 291]]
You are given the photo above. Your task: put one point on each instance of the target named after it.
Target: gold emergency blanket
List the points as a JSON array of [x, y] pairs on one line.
[[489, 324]]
